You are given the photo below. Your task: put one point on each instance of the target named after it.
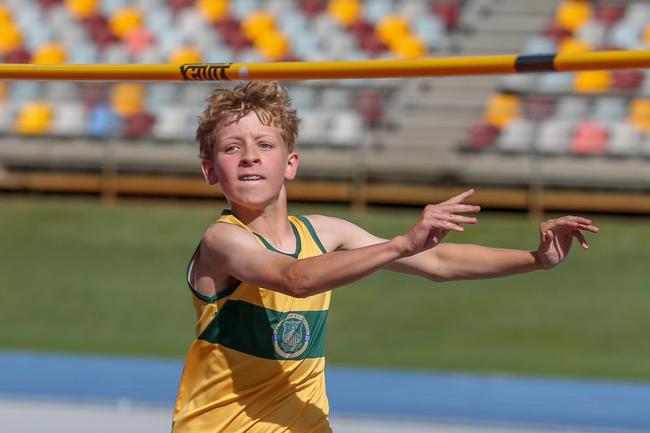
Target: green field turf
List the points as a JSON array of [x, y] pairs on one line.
[[79, 277]]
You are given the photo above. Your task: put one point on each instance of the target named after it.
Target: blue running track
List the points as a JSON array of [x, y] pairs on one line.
[[464, 398]]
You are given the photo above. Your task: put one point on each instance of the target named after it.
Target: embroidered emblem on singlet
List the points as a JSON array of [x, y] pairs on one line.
[[291, 336]]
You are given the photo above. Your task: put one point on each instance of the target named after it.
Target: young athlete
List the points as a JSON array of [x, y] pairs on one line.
[[261, 279]]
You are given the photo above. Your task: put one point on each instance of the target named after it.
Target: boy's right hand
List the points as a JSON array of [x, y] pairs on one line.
[[436, 221]]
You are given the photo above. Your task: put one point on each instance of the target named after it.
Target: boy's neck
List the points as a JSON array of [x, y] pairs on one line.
[[271, 221]]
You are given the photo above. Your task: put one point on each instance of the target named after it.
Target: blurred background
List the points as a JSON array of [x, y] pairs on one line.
[[102, 203]]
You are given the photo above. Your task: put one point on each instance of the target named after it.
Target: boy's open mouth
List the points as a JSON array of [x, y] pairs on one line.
[[250, 177]]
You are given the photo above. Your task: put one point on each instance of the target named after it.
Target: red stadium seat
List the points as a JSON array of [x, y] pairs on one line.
[[93, 94], [628, 79], [371, 105], [177, 6], [609, 13], [481, 136], [556, 32], [47, 4], [372, 45], [138, 125], [17, 55], [538, 108], [312, 8], [233, 35], [99, 30], [448, 11], [589, 138]]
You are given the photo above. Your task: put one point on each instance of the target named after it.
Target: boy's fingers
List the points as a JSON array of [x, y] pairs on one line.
[[458, 208], [583, 223], [589, 228], [454, 227], [581, 239], [460, 197], [461, 219]]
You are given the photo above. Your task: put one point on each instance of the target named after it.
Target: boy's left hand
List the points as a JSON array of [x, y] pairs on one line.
[[556, 237]]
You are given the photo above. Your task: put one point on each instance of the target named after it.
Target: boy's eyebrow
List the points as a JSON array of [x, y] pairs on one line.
[[265, 136], [237, 136]]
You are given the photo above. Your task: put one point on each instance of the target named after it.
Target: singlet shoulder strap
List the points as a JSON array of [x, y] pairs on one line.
[[310, 228]]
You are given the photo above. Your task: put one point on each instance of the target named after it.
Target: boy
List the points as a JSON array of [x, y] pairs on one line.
[[261, 279]]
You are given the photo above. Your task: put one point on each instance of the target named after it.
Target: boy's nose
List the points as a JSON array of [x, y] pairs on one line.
[[250, 157]]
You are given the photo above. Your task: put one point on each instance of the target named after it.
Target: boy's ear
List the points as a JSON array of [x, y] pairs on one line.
[[209, 173], [292, 166]]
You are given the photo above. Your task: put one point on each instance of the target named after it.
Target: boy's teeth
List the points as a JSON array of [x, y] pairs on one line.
[[251, 177]]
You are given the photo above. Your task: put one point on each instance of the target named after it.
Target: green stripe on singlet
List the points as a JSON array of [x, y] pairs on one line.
[[312, 232], [267, 333]]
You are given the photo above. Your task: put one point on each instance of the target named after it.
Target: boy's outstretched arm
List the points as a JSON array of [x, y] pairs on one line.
[[448, 261]]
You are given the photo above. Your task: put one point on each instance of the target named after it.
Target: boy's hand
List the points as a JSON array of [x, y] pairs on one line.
[[436, 221], [556, 237]]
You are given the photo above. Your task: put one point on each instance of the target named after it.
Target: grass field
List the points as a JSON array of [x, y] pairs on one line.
[[79, 277]]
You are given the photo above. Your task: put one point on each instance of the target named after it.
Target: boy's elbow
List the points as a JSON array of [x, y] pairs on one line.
[[296, 285], [436, 278]]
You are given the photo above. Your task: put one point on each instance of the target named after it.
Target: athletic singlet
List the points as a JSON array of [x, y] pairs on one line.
[[257, 364]]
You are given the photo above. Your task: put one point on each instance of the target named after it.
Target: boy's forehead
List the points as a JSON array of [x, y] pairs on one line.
[[250, 122]]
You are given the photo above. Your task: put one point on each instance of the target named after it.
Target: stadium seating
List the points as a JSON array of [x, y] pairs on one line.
[[589, 113], [188, 31]]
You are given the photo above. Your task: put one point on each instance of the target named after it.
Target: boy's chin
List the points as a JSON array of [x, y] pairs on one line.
[[253, 203]]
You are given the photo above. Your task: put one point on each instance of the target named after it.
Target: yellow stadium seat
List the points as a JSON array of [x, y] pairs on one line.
[[639, 114], [572, 14], [127, 99], [10, 37], [213, 10], [124, 21], [408, 47], [344, 12], [5, 16], [392, 27], [258, 23], [273, 46], [501, 110], [49, 53], [592, 81], [573, 46], [81, 9], [185, 54], [34, 118]]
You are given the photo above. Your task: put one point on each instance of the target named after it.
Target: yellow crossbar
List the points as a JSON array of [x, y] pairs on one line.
[[362, 69]]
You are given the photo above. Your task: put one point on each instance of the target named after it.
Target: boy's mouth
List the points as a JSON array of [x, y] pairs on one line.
[[250, 177]]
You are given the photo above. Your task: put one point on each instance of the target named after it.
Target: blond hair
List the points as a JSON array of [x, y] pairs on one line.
[[268, 100]]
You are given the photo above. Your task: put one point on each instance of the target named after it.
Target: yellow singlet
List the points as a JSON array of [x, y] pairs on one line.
[[257, 364]]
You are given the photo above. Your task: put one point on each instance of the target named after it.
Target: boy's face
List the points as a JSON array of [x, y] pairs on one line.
[[251, 162]]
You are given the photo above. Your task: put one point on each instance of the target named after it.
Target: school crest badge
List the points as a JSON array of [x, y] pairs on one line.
[[291, 336]]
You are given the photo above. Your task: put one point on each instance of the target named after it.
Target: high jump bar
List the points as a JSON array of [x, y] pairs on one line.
[[362, 69]]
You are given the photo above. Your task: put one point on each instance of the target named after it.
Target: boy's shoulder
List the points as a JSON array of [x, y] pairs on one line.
[[223, 237]]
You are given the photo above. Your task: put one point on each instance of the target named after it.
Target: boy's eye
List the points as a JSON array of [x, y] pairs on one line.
[[266, 146], [230, 149]]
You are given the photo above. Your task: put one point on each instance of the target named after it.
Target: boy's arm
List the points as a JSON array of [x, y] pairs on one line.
[[445, 262], [448, 261], [239, 255]]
